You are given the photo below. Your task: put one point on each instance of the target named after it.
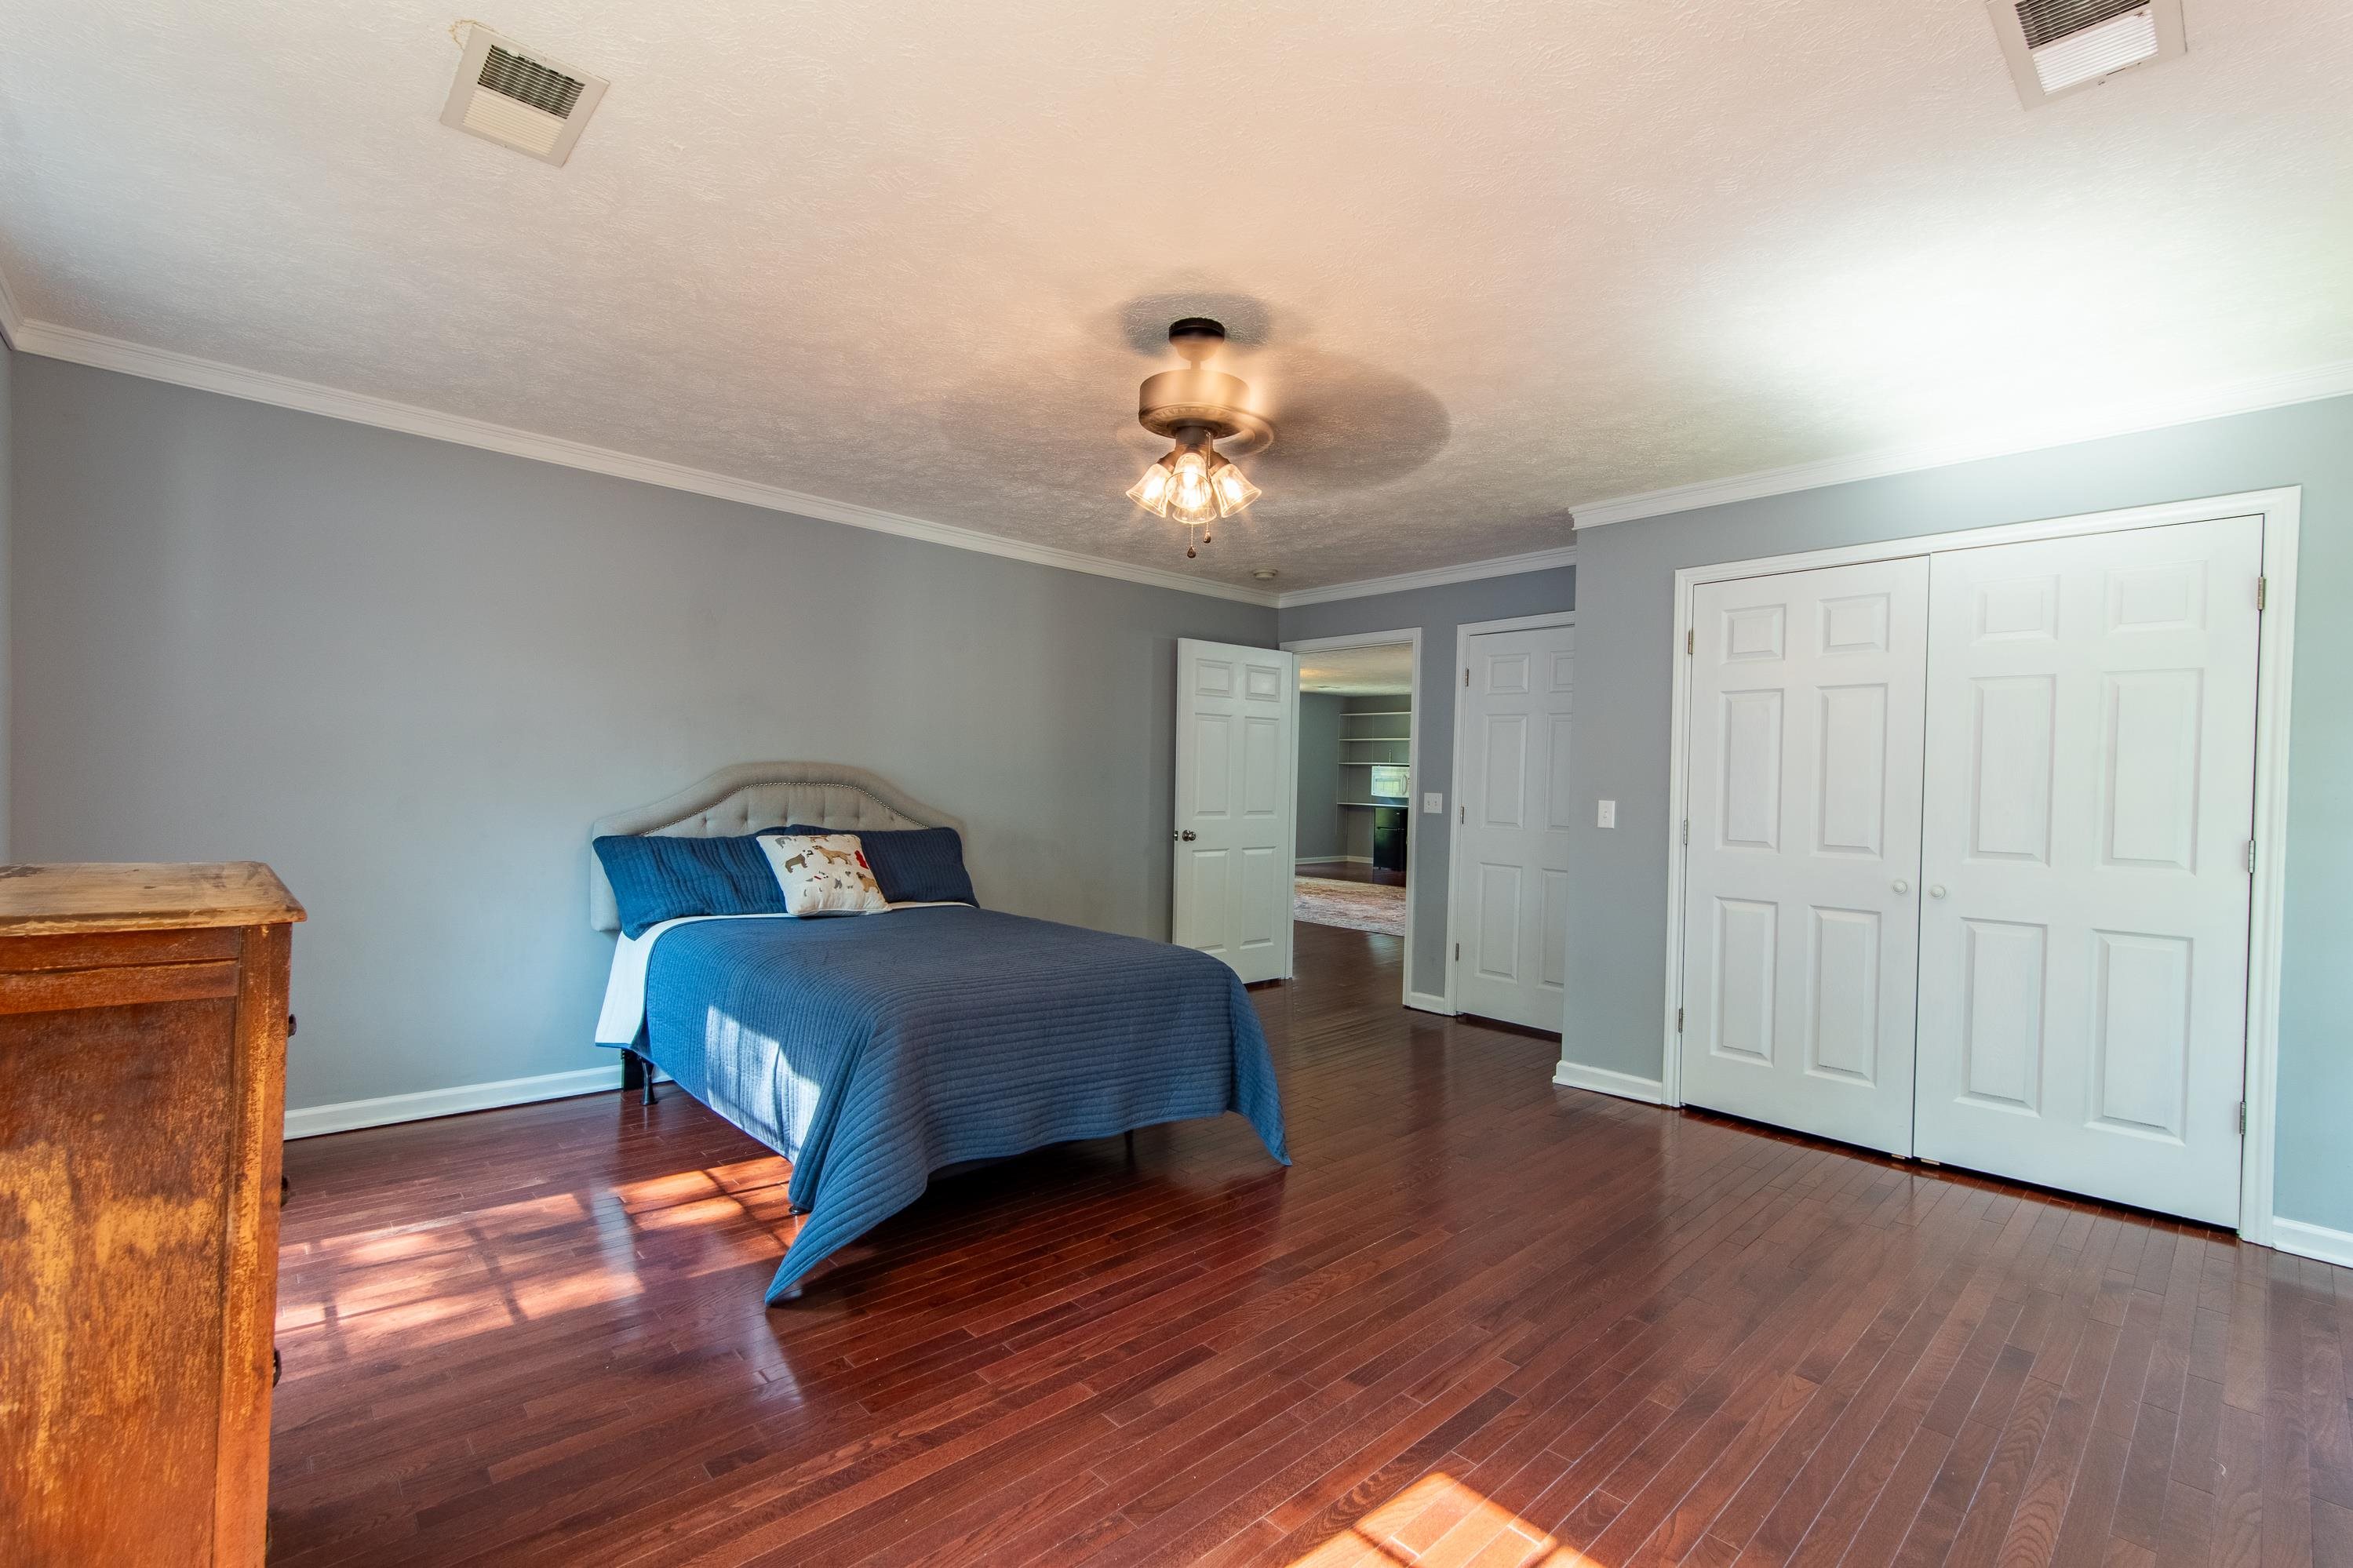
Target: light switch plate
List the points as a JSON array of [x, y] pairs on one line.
[[1434, 804], [1607, 815]]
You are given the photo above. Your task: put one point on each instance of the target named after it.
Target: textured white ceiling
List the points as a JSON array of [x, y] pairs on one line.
[[1483, 262], [1359, 671]]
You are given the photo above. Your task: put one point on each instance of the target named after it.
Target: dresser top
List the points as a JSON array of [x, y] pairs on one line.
[[42, 900]]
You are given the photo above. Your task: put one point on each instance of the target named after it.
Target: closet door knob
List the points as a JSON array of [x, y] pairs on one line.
[[1936, 889], [1902, 886], [1187, 835]]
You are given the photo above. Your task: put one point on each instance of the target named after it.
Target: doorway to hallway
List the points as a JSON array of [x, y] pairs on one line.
[[1356, 763]]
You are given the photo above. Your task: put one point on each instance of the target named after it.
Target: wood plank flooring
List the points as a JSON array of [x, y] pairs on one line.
[[1481, 1321]]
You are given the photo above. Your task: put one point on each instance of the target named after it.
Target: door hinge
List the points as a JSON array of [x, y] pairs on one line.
[[2263, 591], [2242, 1119], [1462, 815], [1686, 829], [1690, 640], [1458, 952], [2251, 857], [1679, 1020], [1466, 680]]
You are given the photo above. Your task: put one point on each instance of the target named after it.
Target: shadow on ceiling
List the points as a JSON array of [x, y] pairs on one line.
[[1340, 422]]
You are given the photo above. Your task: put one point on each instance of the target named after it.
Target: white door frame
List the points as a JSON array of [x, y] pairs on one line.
[[1413, 767], [2281, 510], [1463, 633]]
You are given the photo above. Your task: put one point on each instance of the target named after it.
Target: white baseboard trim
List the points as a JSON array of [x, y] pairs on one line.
[[1334, 860], [1423, 1002], [1601, 1080], [2313, 1241], [312, 1120]]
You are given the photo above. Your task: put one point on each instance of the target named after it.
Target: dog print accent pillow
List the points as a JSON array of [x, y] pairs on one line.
[[823, 874]]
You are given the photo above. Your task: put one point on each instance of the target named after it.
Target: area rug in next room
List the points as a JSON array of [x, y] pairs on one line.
[[1357, 906]]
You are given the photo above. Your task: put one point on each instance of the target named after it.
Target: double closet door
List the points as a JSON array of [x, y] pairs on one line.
[[1967, 873]]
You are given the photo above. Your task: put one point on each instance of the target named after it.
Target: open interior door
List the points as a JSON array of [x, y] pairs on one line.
[[1237, 798]]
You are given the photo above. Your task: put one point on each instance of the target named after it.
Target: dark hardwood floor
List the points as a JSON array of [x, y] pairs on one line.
[[1482, 1320]]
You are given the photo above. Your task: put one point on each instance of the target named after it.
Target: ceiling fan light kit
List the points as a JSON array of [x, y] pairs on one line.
[[1196, 407]]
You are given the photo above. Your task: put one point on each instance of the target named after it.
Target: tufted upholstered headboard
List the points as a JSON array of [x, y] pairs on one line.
[[750, 796]]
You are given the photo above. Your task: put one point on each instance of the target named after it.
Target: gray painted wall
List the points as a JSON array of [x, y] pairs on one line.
[[408, 674], [1437, 611], [1624, 662], [1319, 775]]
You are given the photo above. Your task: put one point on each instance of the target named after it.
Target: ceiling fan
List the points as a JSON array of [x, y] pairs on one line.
[[1195, 408]]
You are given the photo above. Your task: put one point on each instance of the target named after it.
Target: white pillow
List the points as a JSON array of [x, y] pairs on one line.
[[823, 874]]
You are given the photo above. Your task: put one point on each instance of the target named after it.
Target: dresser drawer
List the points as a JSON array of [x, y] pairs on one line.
[[61, 990]]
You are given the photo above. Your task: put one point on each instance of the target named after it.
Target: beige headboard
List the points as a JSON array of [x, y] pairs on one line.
[[750, 796]]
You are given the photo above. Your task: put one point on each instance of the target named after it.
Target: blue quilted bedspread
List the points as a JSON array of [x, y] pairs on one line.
[[874, 1050]]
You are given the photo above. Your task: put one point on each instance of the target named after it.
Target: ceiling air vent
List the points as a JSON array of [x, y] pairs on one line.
[[507, 94], [2056, 46]]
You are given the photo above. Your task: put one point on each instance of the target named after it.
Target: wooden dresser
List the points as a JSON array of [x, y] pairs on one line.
[[143, 1087]]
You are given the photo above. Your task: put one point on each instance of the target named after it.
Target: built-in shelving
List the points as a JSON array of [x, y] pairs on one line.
[[1376, 738], [1387, 742]]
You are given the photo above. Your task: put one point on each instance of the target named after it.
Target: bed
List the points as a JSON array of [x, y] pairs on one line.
[[875, 1050]]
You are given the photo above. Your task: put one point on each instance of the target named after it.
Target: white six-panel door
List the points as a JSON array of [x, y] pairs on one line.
[[1235, 804], [2090, 789], [1512, 838], [1800, 909]]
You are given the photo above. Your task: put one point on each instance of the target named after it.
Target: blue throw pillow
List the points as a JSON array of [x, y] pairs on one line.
[[914, 865], [661, 878]]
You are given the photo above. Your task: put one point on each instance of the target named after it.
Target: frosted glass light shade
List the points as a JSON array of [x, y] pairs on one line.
[[1191, 497], [1193, 486], [1234, 490], [1151, 491]]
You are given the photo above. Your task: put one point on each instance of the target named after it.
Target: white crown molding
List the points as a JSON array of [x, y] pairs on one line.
[[26, 336], [358, 408], [1437, 576], [2250, 395]]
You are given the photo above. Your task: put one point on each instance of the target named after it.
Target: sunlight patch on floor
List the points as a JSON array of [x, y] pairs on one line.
[[685, 1186], [1440, 1520], [496, 1268]]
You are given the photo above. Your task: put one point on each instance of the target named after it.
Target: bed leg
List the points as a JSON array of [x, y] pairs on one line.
[[638, 1074], [1130, 1145]]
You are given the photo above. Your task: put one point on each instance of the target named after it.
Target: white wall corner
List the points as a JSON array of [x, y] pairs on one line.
[[1424, 1002], [2313, 1241], [1601, 1080], [12, 319], [312, 1120]]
